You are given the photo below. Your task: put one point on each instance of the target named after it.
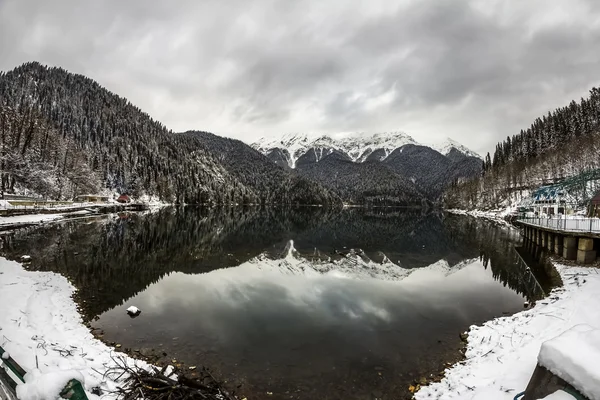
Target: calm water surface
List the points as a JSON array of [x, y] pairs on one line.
[[303, 304]]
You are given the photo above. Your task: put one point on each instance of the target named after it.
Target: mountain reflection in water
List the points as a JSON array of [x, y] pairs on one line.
[[305, 303]]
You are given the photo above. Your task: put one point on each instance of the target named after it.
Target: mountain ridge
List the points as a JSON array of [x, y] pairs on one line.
[[359, 146], [389, 168]]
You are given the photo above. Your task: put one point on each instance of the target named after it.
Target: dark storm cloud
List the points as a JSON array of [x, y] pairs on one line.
[[473, 70]]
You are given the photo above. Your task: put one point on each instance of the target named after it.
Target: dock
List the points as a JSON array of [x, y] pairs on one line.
[[572, 239]]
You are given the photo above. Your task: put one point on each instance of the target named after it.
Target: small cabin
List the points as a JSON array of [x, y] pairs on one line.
[[594, 207], [91, 198], [124, 198]]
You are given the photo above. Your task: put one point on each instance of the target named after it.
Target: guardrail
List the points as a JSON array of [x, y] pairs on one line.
[[587, 225]]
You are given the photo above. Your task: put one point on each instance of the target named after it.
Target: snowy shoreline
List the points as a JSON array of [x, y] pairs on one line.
[[39, 318], [494, 216], [65, 213], [40, 324], [502, 353]]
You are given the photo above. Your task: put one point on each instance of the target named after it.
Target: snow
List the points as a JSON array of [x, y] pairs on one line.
[[502, 354], [5, 204], [39, 320], [357, 145], [133, 310], [29, 219], [574, 356], [492, 215], [6, 355], [38, 386], [560, 395], [450, 144]]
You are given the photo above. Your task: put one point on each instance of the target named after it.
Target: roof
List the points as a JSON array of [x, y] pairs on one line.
[[548, 193], [596, 198]]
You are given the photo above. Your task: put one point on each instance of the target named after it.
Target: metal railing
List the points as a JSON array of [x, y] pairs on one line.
[[588, 225]]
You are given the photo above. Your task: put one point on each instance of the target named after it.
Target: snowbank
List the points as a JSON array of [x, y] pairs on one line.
[[38, 218], [502, 354], [574, 356], [493, 215], [40, 324], [29, 219]]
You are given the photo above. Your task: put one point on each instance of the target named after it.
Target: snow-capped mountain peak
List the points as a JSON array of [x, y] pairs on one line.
[[447, 145], [357, 145]]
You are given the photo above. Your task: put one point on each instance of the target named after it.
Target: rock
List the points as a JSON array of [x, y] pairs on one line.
[[464, 336], [133, 311]]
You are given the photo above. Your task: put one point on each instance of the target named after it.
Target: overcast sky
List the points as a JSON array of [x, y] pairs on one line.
[[475, 71]]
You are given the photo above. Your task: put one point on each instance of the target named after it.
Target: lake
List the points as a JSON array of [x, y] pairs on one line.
[[303, 303]]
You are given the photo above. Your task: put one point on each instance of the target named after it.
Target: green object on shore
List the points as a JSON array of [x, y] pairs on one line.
[[12, 366], [73, 391]]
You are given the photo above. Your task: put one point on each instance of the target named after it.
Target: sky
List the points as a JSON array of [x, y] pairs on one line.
[[475, 71]]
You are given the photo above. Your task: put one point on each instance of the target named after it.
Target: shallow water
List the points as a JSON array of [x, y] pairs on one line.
[[303, 304]]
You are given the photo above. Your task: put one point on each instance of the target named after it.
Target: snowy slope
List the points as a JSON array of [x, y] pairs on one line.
[[450, 144], [43, 331], [357, 146]]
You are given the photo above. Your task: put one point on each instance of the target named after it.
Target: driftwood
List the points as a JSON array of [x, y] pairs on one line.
[[166, 384]]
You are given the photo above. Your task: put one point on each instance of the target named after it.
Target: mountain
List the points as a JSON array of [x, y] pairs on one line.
[[427, 168], [368, 183], [126, 149], [251, 168], [450, 144], [430, 170], [559, 148], [399, 169], [294, 149], [305, 148]]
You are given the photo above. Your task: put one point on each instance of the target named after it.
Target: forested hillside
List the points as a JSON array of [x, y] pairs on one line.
[[430, 170], [561, 144], [252, 169], [368, 183], [125, 147], [37, 158]]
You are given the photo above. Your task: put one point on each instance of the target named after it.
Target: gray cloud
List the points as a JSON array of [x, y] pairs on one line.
[[475, 71]]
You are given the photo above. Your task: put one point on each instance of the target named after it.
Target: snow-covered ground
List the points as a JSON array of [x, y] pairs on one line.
[[29, 219], [493, 215], [39, 323], [502, 353]]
